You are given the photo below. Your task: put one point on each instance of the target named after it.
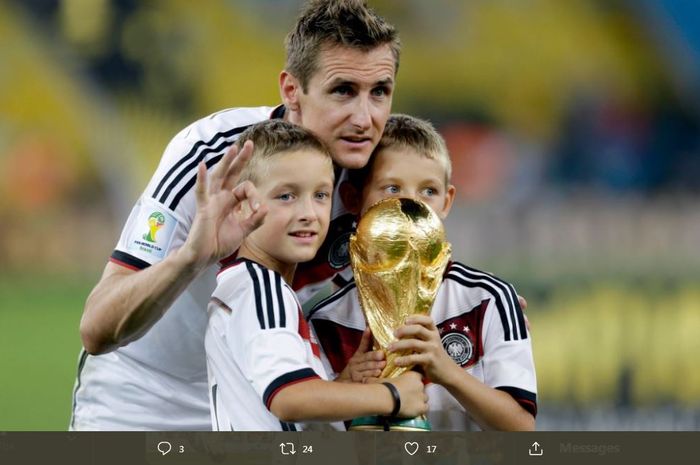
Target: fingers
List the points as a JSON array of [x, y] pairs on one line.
[[366, 376], [366, 365], [369, 366], [236, 165], [364, 342], [413, 359], [218, 174], [523, 305], [251, 223], [419, 326], [522, 302], [200, 187], [414, 331], [246, 191], [377, 355], [423, 320], [402, 345]]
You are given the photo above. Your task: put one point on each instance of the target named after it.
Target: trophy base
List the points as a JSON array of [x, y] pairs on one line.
[[380, 423]]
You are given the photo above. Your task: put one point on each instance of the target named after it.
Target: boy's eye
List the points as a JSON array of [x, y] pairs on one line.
[[393, 189], [323, 195], [430, 192], [285, 197]]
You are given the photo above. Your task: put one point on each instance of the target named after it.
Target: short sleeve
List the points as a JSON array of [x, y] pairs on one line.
[[508, 361], [151, 232], [265, 335]]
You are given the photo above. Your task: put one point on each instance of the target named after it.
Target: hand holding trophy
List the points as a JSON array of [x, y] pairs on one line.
[[398, 256]]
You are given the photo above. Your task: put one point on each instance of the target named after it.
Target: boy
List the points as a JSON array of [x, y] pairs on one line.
[[265, 371], [474, 348]]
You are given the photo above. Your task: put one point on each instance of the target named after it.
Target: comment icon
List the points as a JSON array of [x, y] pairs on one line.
[[164, 447]]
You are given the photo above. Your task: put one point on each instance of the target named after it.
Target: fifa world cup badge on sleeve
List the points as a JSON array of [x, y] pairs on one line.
[[152, 233]]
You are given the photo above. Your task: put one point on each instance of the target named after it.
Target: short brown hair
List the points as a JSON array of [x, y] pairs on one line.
[[403, 131], [273, 137], [330, 23]]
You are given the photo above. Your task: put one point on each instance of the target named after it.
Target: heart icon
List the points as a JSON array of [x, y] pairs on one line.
[[411, 447]]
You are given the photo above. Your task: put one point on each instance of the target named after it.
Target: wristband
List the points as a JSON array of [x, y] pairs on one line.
[[397, 398]]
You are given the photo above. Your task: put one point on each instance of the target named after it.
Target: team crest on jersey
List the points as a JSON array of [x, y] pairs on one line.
[[152, 233], [459, 347], [338, 252]]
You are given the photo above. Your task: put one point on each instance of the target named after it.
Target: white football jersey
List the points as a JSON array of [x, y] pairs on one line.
[[257, 343], [158, 382], [482, 328]]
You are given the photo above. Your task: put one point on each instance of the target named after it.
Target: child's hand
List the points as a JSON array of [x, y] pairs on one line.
[[523, 306], [421, 336], [414, 400], [364, 365]]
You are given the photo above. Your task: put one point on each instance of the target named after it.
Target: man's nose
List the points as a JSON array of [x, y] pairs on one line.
[[362, 116]]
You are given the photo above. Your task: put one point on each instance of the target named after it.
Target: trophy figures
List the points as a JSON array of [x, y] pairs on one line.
[[398, 256]]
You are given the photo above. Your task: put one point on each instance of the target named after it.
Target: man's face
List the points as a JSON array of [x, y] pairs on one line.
[[404, 172], [347, 101]]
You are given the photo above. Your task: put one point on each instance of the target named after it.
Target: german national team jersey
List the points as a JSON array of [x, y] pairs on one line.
[[159, 382], [257, 343], [482, 328]]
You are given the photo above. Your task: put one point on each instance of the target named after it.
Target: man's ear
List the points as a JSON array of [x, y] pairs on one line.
[[350, 197], [290, 89], [449, 198]]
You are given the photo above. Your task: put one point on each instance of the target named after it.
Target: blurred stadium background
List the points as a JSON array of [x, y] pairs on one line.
[[573, 127]]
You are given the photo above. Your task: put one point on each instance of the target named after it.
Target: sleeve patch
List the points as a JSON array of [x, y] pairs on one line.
[[152, 233]]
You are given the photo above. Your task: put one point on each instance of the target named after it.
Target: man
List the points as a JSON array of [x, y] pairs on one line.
[[147, 314]]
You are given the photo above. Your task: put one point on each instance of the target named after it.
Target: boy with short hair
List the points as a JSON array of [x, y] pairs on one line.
[[264, 367], [474, 347]]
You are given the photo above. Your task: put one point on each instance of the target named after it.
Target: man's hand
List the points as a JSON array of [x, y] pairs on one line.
[[216, 232], [364, 365]]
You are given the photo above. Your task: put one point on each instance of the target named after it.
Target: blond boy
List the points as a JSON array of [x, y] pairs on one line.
[[474, 348]]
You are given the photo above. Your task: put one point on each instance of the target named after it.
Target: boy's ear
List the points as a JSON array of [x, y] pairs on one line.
[[449, 198], [350, 197], [290, 89]]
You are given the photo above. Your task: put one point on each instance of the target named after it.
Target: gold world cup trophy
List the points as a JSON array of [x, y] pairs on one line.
[[398, 256]]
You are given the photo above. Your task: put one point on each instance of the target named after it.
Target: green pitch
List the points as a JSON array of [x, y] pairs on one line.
[[39, 345]]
